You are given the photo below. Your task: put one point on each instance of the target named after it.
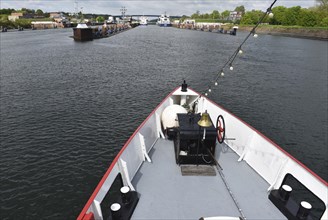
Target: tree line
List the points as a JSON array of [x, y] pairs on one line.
[[25, 23], [216, 15], [294, 16], [38, 12], [290, 17], [39, 15]]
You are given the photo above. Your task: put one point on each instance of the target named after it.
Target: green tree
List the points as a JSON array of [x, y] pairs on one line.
[[184, 17], [7, 11], [215, 14], [247, 18], [6, 23], [307, 18], [100, 19], [80, 15], [39, 12], [279, 15], [292, 15], [206, 16], [324, 22], [24, 23], [323, 4], [240, 9], [26, 10], [195, 15], [225, 15], [322, 14], [251, 17]]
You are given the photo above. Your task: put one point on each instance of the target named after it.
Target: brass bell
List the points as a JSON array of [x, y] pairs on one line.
[[205, 120]]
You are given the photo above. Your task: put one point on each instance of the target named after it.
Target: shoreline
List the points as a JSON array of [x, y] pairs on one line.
[[316, 34], [297, 32]]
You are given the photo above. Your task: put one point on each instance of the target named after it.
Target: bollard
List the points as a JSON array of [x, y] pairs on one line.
[[125, 194], [115, 210], [284, 192], [304, 210]]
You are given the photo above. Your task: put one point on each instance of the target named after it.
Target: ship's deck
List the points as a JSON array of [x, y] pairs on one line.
[[166, 194]]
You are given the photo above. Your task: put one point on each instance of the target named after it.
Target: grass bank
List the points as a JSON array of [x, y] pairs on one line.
[[320, 33]]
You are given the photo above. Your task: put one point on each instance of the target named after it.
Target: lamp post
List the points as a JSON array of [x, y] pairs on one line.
[[123, 10]]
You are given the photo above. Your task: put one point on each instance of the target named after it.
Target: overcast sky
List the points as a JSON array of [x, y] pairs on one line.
[[171, 7]]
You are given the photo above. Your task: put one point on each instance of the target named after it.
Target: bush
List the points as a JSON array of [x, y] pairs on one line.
[[212, 20], [7, 24], [324, 22], [24, 23]]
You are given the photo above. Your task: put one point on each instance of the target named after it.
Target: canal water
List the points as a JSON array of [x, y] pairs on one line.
[[67, 107]]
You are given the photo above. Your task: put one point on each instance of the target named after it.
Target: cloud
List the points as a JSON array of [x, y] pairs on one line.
[[172, 7]]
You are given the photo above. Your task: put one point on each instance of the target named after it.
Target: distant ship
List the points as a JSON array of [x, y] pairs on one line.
[[143, 20], [164, 21]]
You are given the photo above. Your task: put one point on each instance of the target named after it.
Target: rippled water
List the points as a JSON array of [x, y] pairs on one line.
[[66, 108]]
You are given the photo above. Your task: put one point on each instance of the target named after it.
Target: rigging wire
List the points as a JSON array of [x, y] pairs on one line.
[[230, 62], [238, 50], [220, 171]]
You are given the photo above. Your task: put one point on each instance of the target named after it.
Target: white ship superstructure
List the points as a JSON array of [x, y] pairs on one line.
[[143, 20], [164, 20]]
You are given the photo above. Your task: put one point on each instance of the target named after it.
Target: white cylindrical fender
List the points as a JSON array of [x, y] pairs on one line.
[[169, 116]]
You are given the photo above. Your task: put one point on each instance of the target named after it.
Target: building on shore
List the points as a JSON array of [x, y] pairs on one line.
[[235, 15], [18, 15], [45, 25]]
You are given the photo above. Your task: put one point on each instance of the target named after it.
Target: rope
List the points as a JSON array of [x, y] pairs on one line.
[[231, 194], [230, 61], [219, 168]]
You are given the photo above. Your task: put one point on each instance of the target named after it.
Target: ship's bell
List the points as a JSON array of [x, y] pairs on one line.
[[205, 120]]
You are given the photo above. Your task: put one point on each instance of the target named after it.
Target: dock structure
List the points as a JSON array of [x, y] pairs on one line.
[[37, 25], [208, 27], [86, 33]]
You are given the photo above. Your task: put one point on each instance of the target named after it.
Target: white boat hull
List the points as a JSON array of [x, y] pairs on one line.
[[268, 160]]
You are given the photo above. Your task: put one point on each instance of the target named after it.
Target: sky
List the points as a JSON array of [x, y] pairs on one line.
[[150, 7]]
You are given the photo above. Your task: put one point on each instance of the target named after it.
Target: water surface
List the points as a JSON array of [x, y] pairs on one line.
[[66, 108]]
